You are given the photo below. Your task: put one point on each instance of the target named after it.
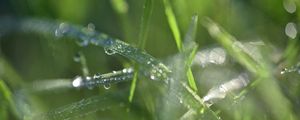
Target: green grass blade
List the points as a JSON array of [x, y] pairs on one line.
[[190, 49], [189, 38], [148, 7], [173, 24], [147, 11], [228, 42], [189, 73], [132, 87]]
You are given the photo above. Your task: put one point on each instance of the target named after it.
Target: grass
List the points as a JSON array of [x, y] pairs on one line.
[[161, 53], [177, 37], [147, 11]]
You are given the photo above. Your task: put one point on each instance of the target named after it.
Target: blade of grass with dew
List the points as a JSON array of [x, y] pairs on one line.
[[173, 24], [147, 11], [110, 45]]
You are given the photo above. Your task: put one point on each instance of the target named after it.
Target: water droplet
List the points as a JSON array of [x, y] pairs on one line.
[[289, 6], [124, 70], [290, 30], [109, 51], [283, 71], [76, 57], [61, 30], [97, 76], [152, 77], [88, 78], [180, 101], [109, 42], [77, 82], [106, 86]]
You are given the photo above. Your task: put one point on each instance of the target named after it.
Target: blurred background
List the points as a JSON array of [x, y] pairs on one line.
[[29, 58]]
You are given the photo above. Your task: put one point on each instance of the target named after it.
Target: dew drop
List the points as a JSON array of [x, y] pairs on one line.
[[96, 76], [290, 30], [106, 86], [152, 77], [109, 42], [77, 82], [61, 30], [109, 51], [124, 70], [283, 71], [180, 101], [88, 78], [289, 6]]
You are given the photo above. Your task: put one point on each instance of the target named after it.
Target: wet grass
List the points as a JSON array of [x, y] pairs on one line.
[[145, 66]]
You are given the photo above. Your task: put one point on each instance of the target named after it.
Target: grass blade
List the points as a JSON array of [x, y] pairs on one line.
[[173, 24], [190, 48], [147, 11]]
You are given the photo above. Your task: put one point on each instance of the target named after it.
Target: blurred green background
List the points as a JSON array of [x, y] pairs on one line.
[[29, 57]]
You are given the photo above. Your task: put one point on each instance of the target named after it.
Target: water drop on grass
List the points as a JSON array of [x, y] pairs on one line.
[[290, 30], [96, 76], [77, 82], [152, 77], [289, 6], [61, 30], [283, 71], [109, 51], [106, 86]]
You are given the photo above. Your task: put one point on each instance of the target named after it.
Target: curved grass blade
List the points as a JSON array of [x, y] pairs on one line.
[[156, 69]]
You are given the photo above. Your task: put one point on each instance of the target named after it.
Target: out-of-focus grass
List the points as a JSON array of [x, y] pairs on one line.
[[270, 95], [7, 102]]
